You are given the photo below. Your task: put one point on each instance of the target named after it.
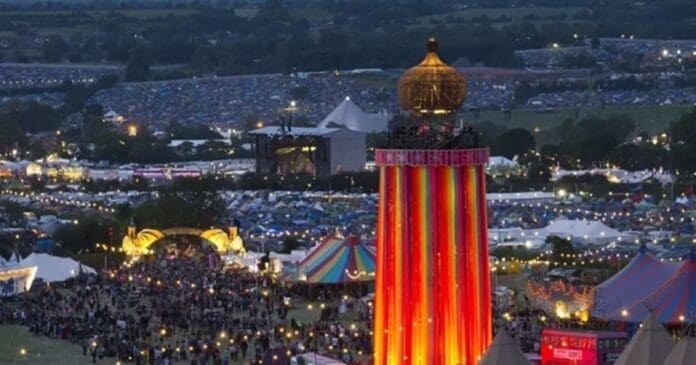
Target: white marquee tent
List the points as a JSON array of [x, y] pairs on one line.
[[503, 351], [684, 352], [54, 268], [650, 345], [586, 231], [500, 165]]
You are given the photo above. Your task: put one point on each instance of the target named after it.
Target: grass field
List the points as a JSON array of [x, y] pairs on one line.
[[45, 351], [245, 12], [515, 14], [39, 350], [310, 13], [649, 118], [307, 13], [512, 15]]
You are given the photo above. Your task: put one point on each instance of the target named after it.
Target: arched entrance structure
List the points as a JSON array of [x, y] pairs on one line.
[[135, 244]]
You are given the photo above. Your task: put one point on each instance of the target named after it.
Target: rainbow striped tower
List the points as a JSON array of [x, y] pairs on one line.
[[432, 296]]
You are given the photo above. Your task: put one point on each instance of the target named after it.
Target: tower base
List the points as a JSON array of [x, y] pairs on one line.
[[433, 295]]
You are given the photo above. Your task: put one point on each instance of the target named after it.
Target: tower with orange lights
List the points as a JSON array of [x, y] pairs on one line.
[[432, 296]]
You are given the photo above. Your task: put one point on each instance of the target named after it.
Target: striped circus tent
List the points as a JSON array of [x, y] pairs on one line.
[[672, 302], [637, 280], [337, 261]]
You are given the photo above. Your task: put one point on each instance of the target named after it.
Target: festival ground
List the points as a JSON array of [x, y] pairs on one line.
[[40, 350], [174, 307]]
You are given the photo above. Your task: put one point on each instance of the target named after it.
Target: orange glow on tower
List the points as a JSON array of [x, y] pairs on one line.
[[432, 295]]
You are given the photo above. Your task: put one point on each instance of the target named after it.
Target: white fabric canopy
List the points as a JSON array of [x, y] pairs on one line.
[[54, 268], [495, 161], [503, 351], [650, 345], [684, 352], [312, 358], [584, 230]]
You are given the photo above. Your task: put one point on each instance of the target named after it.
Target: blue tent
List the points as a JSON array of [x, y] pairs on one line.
[[44, 245]]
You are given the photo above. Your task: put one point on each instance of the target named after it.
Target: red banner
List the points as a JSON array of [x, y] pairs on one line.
[[462, 157]]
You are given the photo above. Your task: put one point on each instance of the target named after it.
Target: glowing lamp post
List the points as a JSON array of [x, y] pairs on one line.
[[132, 130]]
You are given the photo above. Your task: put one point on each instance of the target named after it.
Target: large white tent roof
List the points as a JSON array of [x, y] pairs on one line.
[[584, 229], [650, 345], [350, 115], [54, 268], [494, 161]]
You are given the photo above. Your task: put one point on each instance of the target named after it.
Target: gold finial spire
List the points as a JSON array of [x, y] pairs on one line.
[[432, 45]]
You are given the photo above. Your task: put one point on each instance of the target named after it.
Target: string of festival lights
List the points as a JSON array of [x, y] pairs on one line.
[[48, 199]]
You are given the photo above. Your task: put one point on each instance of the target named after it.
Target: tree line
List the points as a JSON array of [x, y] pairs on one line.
[[214, 38]]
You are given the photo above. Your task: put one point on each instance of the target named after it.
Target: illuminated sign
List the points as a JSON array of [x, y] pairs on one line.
[[567, 354], [570, 347]]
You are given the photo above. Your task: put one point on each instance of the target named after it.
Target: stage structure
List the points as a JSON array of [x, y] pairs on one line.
[[287, 150], [433, 295], [138, 243]]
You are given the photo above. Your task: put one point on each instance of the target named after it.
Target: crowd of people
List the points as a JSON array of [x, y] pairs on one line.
[[180, 306], [656, 96], [545, 57], [228, 100], [609, 51], [16, 76], [641, 47], [525, 326]]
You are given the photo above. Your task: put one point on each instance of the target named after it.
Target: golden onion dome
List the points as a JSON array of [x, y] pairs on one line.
[[432, 87]]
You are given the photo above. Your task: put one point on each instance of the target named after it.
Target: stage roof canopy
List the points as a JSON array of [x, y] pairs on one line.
[[349, 115]]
